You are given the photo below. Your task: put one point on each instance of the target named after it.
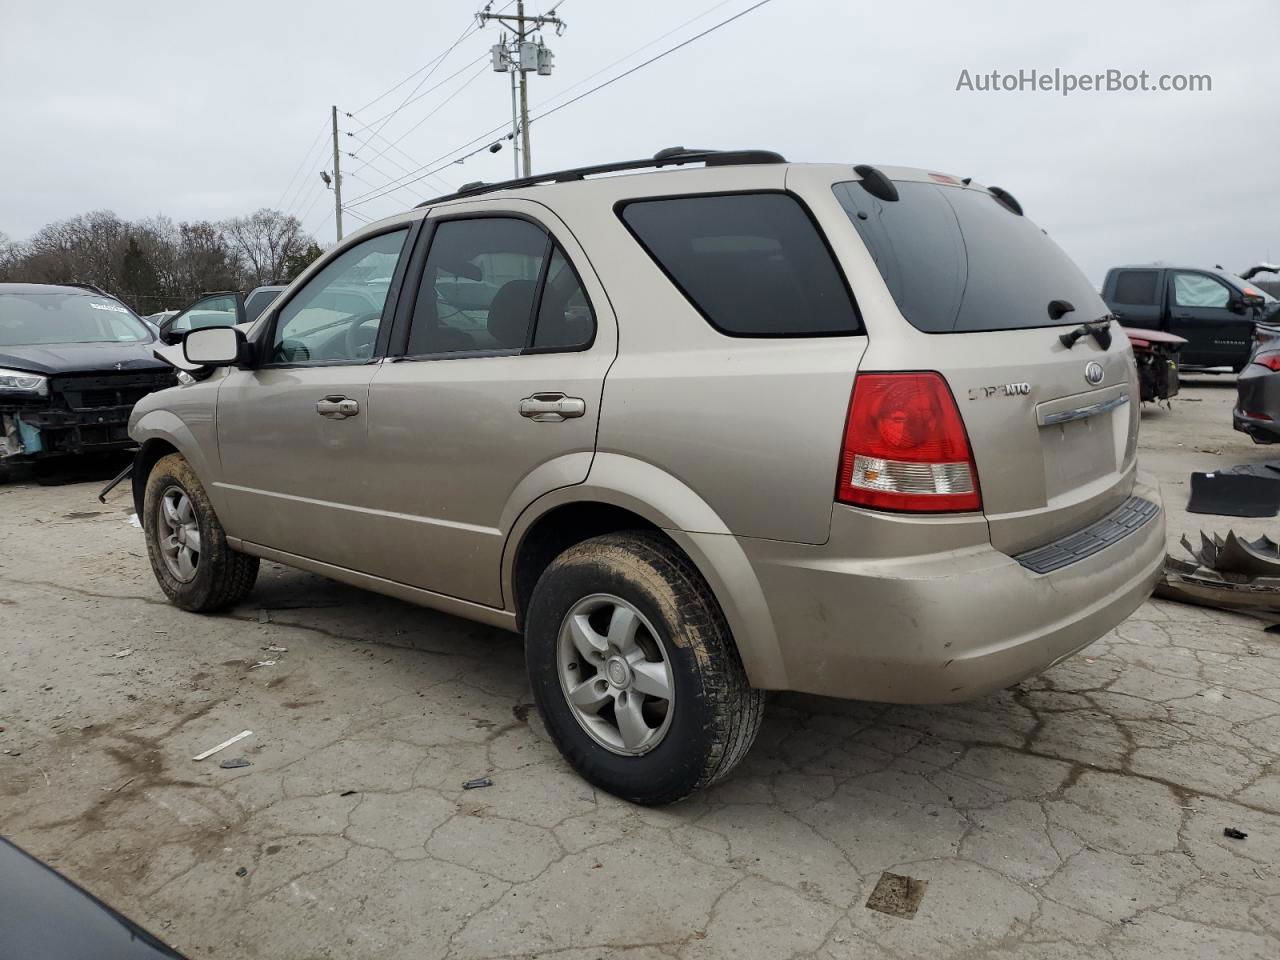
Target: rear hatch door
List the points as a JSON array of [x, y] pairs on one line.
[[1052, 425]]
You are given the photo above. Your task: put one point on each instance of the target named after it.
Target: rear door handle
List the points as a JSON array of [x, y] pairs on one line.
[[337, 408], [552, 407]]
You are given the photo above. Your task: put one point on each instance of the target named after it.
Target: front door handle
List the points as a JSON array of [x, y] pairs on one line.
[[552, 407], [337, 408]]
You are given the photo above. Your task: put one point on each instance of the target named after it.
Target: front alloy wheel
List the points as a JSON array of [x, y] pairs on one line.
[[180, 536], [186, 543]]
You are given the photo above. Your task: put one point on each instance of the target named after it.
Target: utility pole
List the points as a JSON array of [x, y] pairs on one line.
[[522, 55], [337, 177]]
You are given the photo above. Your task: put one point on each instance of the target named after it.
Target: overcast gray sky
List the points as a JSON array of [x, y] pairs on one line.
[[206, 110]]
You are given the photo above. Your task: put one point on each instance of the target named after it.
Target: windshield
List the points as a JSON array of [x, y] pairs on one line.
[[28, 319], [958, 261]]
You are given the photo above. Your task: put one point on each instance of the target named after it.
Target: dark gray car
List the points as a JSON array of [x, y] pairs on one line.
[[1257, 411]]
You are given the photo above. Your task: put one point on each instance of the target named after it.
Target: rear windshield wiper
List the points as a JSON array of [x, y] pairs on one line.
[[1099, 329]]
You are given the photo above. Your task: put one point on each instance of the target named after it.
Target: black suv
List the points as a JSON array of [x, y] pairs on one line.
[[73, 362]]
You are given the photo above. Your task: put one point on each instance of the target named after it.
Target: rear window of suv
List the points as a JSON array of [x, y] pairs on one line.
[[956, 260], [754, 265]]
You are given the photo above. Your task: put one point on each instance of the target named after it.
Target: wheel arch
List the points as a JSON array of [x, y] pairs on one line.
[[621, 493], [160, 433]]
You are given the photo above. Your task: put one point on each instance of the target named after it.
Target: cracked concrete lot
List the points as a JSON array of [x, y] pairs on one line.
[[1078, 815]]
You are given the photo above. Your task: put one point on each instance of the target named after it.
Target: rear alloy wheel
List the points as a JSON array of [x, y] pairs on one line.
[[615, 675], [635, 671], [187, 545]]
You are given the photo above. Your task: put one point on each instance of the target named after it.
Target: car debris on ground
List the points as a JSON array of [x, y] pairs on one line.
[[223, 745], [1228, 572], [897, 895]]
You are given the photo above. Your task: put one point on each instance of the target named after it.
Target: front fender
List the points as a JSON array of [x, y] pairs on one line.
[[153, 427], [669, 504]]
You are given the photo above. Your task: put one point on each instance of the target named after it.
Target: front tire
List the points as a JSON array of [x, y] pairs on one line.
[[634, 669], [186, 544]]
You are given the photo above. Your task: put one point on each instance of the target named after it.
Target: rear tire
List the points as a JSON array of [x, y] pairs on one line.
[[659, 715], [186, 544]]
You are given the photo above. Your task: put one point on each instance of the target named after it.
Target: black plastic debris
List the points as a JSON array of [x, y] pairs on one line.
[[348, 793], [242, 872], [1267, 469], [1234, 495], [477, 783], [234, 763], [1233, 834]]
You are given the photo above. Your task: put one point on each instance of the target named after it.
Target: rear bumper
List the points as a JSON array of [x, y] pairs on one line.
[[948, 626]]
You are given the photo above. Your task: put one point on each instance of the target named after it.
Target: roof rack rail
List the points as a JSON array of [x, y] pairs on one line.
[[91, 287], [671, 156]]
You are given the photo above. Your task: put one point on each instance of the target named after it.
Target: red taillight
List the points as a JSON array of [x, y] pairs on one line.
[[1269, 360], [905, 447]]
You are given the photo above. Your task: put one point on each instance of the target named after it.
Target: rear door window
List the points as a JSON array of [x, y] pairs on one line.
[[754, 265], [496, 285], [1139, 288], [956, 260]]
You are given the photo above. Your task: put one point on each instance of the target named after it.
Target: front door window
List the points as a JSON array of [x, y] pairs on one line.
[[337, 315]]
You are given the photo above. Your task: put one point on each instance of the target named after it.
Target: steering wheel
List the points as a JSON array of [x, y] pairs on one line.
[[359, 341]]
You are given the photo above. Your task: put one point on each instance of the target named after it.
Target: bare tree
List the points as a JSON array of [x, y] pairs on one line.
[[265, 242], [155, 264]]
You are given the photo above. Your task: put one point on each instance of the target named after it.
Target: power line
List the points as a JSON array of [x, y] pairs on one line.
[[390, 159], [387, 178], [655, 59], [308, 196], [623, 59], [440, 106], [418, 96], [487, 137], [470, 28], [392, 89], [366, 197], [305, 157]]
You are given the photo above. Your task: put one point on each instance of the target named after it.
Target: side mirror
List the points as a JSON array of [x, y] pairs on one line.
[[213, 310], [213, 346]]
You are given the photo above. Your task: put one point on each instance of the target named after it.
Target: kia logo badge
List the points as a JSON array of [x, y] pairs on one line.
[[1093, 372]]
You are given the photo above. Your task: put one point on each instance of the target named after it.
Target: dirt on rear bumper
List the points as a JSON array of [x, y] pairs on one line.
[[948, 626]]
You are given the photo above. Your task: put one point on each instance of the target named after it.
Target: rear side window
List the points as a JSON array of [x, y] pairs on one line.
[[1137, 287], [754, 265], [956, 260]]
